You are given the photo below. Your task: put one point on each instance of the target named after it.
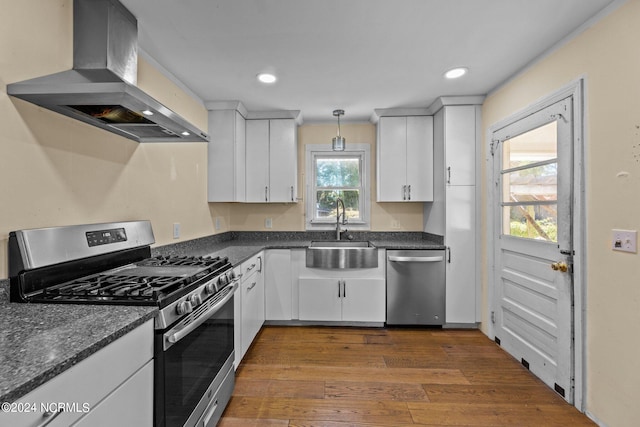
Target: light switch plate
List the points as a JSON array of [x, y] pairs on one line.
[[176, 230], [217, 223], [624, 240], [268, 223]]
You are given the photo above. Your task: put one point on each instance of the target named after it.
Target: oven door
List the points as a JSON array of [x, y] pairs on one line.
[[194, 360]]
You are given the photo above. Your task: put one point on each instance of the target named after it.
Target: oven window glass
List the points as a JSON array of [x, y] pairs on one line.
[[193, 362]]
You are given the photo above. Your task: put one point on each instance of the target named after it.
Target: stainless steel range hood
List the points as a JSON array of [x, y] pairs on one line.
[[101, 88]]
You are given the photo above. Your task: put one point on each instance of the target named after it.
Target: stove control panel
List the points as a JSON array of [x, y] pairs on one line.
[[105, 237]]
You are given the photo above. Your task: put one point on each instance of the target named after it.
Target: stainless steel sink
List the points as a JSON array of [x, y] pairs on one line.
[[342, 254]]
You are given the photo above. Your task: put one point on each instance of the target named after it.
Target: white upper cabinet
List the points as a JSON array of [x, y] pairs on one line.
[[271, 161], [405, 159], [460, 144], [226, 156]]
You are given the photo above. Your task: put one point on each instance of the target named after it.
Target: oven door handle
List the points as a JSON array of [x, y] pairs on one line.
[[177, 336]]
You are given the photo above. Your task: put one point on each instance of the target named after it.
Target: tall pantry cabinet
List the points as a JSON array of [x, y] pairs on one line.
[[453, 211]]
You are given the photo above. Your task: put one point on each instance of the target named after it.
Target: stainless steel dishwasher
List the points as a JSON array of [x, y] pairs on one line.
[[415, 287]]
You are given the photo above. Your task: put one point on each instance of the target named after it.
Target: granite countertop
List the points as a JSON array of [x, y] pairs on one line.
[[40, 341], [247, 244]]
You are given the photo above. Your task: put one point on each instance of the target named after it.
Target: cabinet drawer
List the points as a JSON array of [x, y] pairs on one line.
[[252, 265]]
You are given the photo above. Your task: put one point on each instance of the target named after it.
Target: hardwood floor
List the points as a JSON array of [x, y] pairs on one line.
[[338, 377]]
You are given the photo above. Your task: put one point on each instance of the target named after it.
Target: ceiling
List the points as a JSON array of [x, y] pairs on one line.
[[356, 55]]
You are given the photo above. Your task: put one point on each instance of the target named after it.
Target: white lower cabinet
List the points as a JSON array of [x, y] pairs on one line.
[[347, 300], [113, 386], [278, 284], [249, 305], [342, 295]]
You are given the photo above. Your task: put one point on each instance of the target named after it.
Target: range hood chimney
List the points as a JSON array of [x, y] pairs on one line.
[[101, 88]]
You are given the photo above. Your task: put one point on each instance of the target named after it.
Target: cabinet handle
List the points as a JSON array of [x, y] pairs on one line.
[[449, 254], [292, 193], [449, 175], [253, 285], [404, 192], [260, 264], [344, 289], [409, 187], [266, 190], [49, 416], [338, 288], [251, 267]]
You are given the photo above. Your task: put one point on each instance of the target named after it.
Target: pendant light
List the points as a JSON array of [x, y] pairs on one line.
[[338, 142]]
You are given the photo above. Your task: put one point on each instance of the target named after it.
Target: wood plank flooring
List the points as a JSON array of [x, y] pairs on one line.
[[339, 377]]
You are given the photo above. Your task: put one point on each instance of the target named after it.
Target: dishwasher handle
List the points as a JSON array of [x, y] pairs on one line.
[[415, 258]]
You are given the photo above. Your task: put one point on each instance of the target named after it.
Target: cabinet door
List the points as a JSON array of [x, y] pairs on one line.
[[460, 239], [257, 161], [420, 159], [131, 404], [460, 145], [226, 157], [278, 285], [319, 299], [237, 321], [363, 300], [283, 160], [252, 307], [392, 158]]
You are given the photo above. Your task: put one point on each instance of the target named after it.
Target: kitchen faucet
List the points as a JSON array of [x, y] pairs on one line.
[[344, 218]]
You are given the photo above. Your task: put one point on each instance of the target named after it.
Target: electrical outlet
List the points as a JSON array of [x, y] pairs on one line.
[[217, 223], [176, 230], [624, 240], [268, 223]]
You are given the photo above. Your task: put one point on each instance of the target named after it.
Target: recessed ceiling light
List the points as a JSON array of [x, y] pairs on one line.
[[185, 133], [266, 78], [147, 112], [454, 73]]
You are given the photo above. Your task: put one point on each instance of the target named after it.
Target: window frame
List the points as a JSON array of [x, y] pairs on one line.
[[323, 150]]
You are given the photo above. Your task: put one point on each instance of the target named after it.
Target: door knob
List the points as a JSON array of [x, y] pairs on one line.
[[560, 266]]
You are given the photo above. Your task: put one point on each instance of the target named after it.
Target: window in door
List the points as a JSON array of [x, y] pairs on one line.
[[530, 184]]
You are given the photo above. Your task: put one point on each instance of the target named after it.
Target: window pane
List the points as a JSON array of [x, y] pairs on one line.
[[539, 183], [326, 203], [534, 146], [337, 172], [531, 221]]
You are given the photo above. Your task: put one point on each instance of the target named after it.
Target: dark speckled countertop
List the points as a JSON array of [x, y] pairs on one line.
[[40, 341], [240, 246]]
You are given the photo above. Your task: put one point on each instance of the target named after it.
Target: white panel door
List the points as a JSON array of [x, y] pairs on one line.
[[283, 160], [392, 158], [419, 162], [257, 161], [534, 281]]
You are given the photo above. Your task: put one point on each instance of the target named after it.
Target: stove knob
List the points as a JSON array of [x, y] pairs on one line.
[[210, 288], [223, 280], [195, 300], [184, 307]]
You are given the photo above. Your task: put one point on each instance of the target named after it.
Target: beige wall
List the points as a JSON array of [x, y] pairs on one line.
[[291, 217], [57, 171], [608, 56]]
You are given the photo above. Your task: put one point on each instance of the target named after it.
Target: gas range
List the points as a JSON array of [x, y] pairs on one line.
[[111, 264]]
